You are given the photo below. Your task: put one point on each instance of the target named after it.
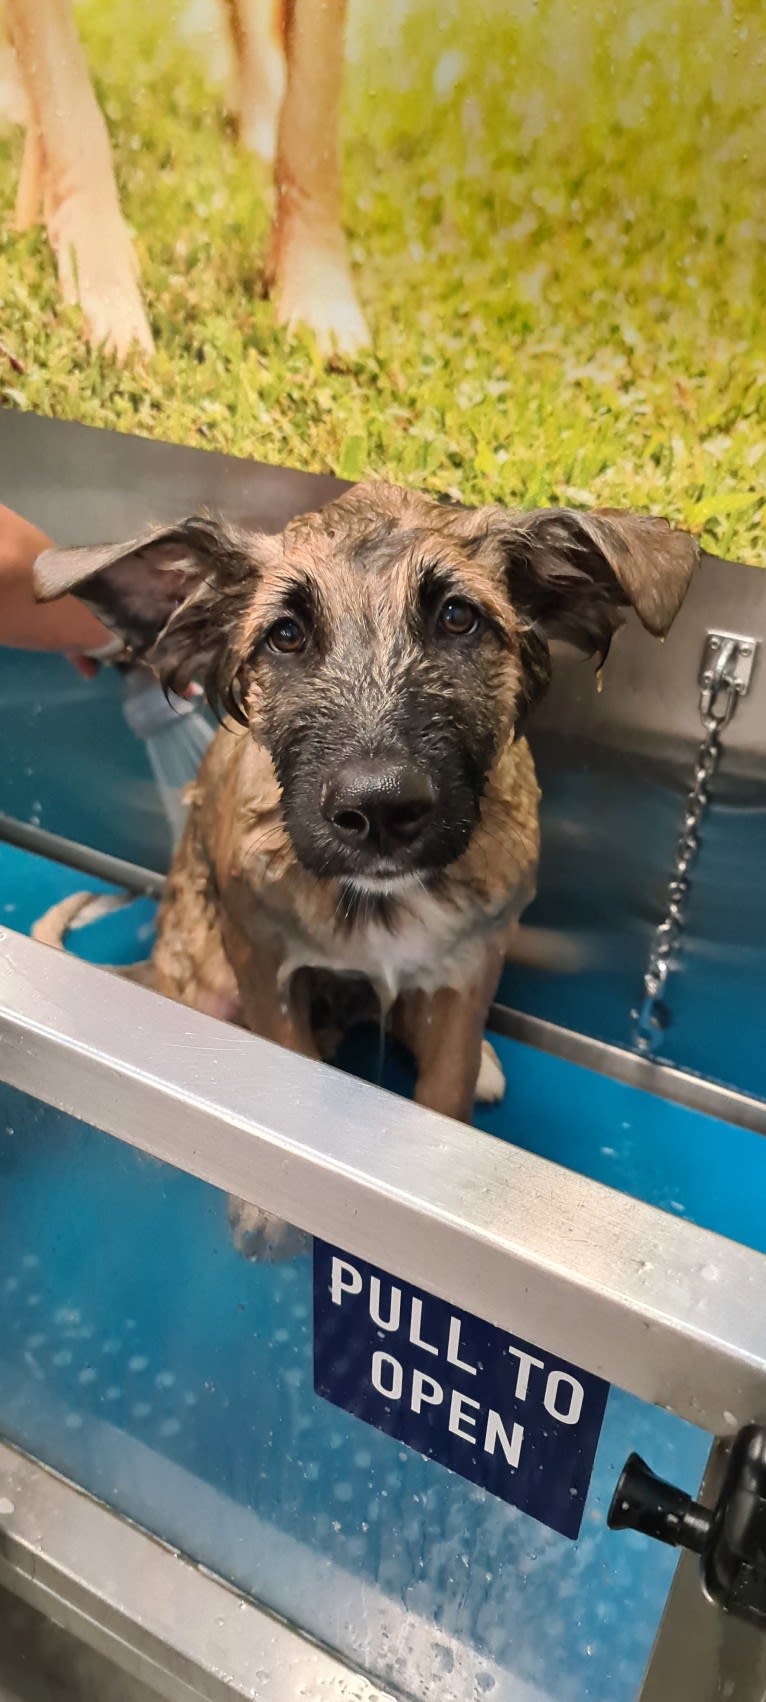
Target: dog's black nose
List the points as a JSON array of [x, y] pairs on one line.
[[379, 806]]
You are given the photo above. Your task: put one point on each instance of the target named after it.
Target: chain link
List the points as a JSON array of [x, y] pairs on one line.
[[718, 701]]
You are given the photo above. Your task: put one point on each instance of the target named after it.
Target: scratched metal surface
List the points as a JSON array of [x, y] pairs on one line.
[[40, 1663]]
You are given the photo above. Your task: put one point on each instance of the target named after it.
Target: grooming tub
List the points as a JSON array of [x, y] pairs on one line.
[[172, 1488]]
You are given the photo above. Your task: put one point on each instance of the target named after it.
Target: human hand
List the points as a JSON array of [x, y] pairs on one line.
[[65, 626]]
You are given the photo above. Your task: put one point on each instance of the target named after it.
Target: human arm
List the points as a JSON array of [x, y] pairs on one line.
[[65, 625]]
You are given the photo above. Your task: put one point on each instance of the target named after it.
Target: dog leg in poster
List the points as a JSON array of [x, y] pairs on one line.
[[308, 268], [257, 30], [31, 185], [68, 164]]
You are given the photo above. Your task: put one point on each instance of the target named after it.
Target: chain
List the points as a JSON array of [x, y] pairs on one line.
[[719, 696]]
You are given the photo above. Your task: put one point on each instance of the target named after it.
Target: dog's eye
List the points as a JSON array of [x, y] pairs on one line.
[[457, 618], [286, 636]]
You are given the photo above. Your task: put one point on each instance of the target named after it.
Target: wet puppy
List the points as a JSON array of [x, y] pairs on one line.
[[369, 809]]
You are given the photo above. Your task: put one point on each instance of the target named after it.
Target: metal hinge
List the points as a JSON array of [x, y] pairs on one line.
[[727, 665]]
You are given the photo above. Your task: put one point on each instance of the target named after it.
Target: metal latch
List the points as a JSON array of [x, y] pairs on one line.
[[730, 1537]]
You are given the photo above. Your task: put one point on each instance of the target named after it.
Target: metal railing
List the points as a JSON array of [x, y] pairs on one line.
[[602, 1279]]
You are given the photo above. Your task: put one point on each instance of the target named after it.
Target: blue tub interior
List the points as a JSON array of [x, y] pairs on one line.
[[141, 1357]]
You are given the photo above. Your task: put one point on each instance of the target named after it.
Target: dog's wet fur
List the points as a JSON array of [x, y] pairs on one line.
[[369, 809]]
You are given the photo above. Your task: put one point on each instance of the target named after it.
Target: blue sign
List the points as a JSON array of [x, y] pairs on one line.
[[509, 1416]]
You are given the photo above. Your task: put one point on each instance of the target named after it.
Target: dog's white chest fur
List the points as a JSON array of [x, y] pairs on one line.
[[427, 947], [428, 943]]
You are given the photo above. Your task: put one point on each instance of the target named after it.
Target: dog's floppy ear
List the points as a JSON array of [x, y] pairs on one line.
[[172, 596], [574, 573]]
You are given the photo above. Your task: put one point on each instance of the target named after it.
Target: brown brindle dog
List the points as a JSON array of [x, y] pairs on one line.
[[369, 809]]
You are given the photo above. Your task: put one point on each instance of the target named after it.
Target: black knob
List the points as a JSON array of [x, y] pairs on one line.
[[643, 1502], [731, 1539]]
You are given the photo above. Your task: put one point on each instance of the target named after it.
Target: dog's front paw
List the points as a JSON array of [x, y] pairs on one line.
[[490, 1086], [257, 1235], [98, 272], [310, 279]]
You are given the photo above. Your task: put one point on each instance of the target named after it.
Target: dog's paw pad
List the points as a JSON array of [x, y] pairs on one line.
[[490, 1086], [263, 1238]]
